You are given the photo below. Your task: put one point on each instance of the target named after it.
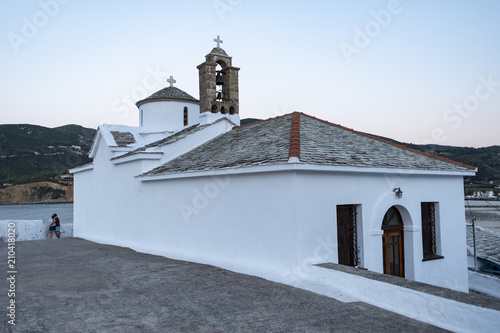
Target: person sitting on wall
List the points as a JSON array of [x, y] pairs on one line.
[[56, 227]]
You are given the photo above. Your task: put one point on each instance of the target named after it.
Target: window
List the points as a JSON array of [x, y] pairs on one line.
[[185, 116], [346, 235], [429, 244]]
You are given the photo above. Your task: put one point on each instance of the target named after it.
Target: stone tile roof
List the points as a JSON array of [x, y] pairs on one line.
[[487, 243], [166, 94], [165, 141], [326, 143], [123, 139], [311, 140], [260, 143]]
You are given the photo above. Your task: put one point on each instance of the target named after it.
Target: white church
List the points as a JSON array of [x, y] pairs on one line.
[[275, 195]]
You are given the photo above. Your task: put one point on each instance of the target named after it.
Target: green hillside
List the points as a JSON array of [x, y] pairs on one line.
[[30, 153]]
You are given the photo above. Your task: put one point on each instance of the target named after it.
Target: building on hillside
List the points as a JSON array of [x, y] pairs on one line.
[[483, 195], [275, 195]]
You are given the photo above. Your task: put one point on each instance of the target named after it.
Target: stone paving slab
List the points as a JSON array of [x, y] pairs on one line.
[[74, 285]]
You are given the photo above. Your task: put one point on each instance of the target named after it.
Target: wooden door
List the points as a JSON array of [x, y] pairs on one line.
[[393, 244], [393, 253]]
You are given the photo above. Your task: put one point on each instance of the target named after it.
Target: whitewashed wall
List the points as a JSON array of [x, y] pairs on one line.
[[167, 115], [280, 221], [31, 229], [320, 193]]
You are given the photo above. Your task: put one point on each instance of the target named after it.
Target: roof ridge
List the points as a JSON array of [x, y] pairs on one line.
[[393, 143], [294, 150], [261, 121]]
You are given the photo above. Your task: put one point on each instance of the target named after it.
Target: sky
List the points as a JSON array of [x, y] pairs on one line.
[[418, 71]]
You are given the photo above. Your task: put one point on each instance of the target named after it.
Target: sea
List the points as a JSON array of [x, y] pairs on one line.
[[37, 212], [486, 213]]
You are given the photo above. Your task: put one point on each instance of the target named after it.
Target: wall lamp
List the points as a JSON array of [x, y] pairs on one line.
[[398, 192]]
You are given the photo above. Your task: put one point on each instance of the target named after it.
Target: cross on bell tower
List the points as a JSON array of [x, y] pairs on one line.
[[219, 41], [219, 91]]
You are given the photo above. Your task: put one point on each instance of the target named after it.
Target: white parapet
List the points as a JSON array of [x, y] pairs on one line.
[[483, 283], [31, 229]]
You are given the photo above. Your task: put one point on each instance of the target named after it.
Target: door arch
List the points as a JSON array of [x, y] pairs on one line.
[[393, 242]]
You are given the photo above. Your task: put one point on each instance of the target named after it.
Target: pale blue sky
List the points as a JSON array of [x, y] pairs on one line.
[[416, 71]]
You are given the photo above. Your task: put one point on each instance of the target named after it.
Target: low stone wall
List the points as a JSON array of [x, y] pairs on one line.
[[32, 229], [485, 284]]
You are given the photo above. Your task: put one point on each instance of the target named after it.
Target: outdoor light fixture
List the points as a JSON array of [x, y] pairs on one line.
[[398, 192]]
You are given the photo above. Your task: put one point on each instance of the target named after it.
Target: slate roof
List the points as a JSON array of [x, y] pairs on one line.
[[167, 94], [169, 139], [326, 143], [487, 243], [240, 147], [123, 139], [311, 140]]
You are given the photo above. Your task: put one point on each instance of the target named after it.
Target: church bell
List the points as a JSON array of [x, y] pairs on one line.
[[218, 79]]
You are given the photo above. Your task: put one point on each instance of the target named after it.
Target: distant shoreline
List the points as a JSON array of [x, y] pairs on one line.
[[35, 203]]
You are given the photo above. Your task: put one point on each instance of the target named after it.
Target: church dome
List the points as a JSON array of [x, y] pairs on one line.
[[168, 94]]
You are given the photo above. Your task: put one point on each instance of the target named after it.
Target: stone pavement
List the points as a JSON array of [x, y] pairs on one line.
[[74, 285]]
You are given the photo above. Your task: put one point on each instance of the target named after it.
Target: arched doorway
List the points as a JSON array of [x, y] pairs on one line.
[[393, 242]]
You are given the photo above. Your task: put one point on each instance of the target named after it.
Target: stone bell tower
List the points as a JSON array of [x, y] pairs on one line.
[[218, 83]]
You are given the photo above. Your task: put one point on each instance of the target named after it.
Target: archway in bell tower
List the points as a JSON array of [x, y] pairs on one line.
[[219, 91], [219, 82]]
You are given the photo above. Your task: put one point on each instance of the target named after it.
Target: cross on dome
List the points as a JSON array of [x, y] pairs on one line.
[[218, 40], [171, 81]]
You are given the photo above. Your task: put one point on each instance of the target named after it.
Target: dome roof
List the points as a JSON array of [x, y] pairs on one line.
[[167, 94]]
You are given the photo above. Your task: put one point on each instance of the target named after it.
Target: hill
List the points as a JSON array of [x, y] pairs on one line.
[[39, 192], [30, 153]]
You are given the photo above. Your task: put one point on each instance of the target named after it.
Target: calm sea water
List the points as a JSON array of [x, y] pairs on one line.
[[486, 203], [37, 212], [488, 215]]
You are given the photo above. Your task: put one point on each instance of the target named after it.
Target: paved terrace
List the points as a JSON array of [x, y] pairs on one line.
[[73, 285]]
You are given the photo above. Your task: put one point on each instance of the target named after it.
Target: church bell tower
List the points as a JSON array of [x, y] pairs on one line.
[[218, 83]]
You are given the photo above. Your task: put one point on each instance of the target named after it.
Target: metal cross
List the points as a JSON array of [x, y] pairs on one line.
[[218, 40], [171, 81]]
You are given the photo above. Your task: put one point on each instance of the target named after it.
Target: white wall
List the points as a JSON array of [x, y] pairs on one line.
[[320, 193], [167, 115], [207, 219], [484, 283], [31, 229], [280, 220], [109, 193]]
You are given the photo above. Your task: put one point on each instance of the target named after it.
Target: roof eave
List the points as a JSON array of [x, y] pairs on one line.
[[281, 167]]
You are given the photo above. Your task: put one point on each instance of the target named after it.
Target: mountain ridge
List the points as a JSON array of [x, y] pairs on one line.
[[33, 153]]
